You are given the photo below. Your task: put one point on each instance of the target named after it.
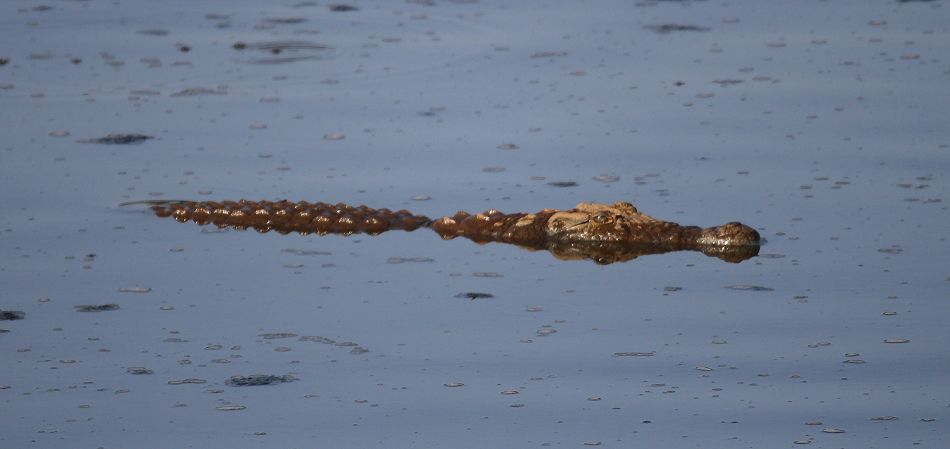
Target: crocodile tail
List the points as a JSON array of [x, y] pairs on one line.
[[285, 216]]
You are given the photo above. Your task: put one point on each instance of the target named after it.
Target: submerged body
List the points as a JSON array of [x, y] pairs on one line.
[[605, 233]]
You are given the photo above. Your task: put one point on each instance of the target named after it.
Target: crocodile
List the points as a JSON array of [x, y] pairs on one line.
[[603, 233]]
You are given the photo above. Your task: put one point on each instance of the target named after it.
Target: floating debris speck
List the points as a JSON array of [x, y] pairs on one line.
[[11, 315], [474, 295], [258, 379], [119, 139], [96, 307]]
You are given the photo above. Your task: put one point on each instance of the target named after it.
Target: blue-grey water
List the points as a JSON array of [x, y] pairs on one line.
[[822, 124]]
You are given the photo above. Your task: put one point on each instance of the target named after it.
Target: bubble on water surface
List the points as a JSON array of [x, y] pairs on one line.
[[606, 178], [230, 408], [453, 384]]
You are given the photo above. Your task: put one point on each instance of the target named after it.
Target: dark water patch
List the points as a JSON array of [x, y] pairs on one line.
[[285, 20], [666, 28], [253, 380], [289, 51], [474, 295], [548, 54], [11, 315], [96, 307], [190, 381], [562, 184], [277, 335], [119, 139], [278, 46], [635, 354], [749, 288], [281, 60], [4, 61], [138, 370], [894, 249], [728, 82], [318, 339], [305, 252], [156, 32], [399, 260], [339, 7], [196, 91]]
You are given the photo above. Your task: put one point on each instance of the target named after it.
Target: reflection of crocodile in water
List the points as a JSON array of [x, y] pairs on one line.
[[604, 233]]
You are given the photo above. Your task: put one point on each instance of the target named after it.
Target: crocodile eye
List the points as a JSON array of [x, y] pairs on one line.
[[602, 218]]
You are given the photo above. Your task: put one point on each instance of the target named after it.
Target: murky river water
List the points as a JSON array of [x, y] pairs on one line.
[[822, 124]]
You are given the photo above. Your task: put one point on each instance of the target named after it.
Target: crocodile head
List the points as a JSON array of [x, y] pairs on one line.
[[618, 222], [622, 222]]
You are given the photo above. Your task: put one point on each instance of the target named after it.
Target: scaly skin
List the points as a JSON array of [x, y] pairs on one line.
[[604, 233]]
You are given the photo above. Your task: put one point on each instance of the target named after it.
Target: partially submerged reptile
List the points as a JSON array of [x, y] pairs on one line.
[[604, 233]]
